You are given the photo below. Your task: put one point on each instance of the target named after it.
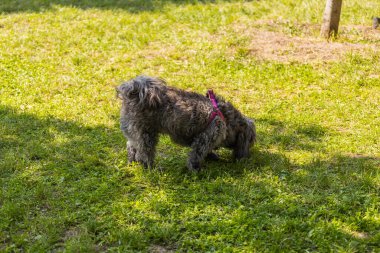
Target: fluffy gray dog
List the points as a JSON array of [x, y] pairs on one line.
[[204, 123]]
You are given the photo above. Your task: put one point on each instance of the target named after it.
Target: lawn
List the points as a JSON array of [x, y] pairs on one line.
[[312, 183]]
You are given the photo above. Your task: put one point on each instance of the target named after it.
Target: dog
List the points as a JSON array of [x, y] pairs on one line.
[[150, 107]]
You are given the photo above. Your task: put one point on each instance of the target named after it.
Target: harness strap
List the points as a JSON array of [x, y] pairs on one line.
[[216, 112]]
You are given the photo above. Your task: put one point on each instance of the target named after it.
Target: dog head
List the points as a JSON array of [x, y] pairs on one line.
[[143, 90], [244, 138]]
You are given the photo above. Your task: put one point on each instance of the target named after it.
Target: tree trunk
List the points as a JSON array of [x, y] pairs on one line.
[[331, 18]]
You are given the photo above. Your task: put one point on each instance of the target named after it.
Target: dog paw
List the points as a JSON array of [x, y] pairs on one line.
[[194, 166], [212, 157], [147, 165]]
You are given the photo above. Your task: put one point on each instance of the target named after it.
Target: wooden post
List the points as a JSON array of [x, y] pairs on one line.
[[331, 18], [376, 22]]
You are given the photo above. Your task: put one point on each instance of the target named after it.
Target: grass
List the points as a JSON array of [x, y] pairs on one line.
[[312, 184]]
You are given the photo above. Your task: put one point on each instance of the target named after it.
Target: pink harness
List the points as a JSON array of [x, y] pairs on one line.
[[216, 112]]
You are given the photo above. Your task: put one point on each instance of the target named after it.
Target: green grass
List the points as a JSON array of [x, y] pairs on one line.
[[311, 185]]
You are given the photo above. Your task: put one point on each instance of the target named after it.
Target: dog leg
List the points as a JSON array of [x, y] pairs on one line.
[[146, 149], [212, 156], [131, 151], [205, 143]]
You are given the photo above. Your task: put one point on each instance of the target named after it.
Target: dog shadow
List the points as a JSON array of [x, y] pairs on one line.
[[269, 189]]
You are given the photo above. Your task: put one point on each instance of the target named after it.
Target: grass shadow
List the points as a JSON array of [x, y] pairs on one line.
[[60, 173], [291, 136], [313, 206], [318, 206], [133, 6], [68, 187]]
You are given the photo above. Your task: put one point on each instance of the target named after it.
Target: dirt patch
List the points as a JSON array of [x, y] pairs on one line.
[[357, 234], [360, 235], [72, 232], [376, 159], [159, 249], [361, 33], [306, 47], [280, 47]]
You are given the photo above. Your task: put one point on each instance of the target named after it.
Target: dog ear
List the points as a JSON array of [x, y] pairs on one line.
[[244, 139], [128, 91], [119, 91], [154, 97], [145, 91], [154, 94], [242, 145], [251, 123]]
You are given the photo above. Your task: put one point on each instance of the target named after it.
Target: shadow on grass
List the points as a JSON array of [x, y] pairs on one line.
[[67, 187], [268, 203], [291, 136], [55, 172], [133, 6]]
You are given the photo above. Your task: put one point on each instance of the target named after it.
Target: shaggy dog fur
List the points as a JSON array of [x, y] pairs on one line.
[[150, 107]]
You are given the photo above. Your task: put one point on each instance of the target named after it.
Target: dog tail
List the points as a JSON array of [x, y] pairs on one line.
[[144, 90]]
